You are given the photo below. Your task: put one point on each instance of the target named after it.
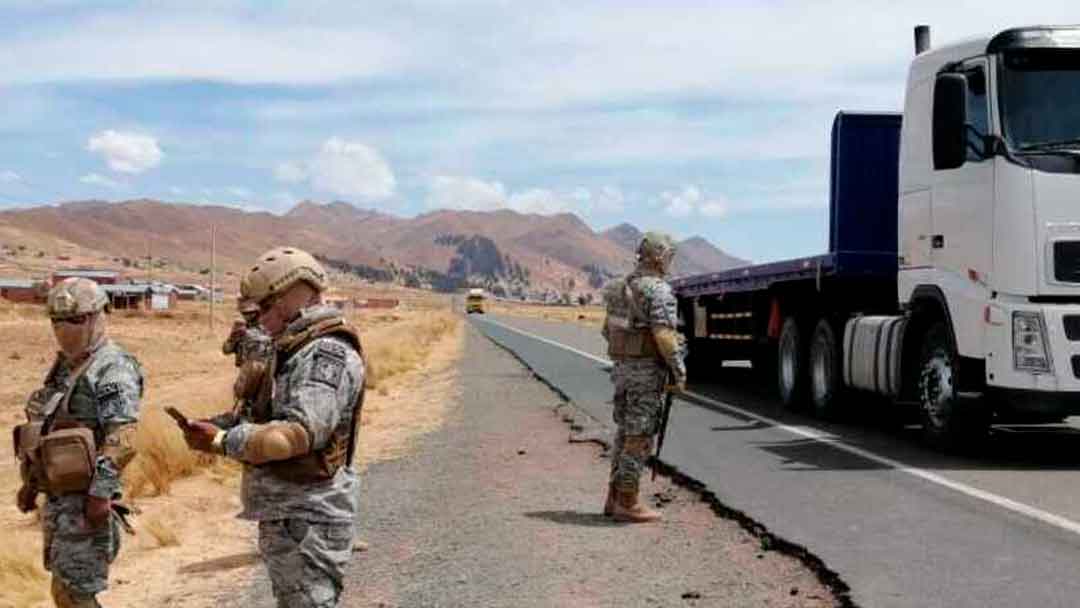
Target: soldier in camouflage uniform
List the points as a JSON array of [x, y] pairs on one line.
[[253, 350], [247, 340], [298, 440], [648, 352], [82, 528]]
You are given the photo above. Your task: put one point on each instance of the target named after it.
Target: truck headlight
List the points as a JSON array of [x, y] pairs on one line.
[[1031, 352]]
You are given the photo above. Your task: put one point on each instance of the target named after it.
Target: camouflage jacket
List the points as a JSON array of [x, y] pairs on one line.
[[106, 399], [251, 343], [317, 386]]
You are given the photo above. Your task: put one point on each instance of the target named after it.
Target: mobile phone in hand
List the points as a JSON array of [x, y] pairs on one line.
[[178, 416]]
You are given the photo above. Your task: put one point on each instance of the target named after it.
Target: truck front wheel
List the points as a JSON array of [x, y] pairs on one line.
[[947, 420], [791, 365]]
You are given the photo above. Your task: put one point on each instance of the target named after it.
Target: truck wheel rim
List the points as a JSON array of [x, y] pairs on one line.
[[936, 386], [821, 372], [787, 363]]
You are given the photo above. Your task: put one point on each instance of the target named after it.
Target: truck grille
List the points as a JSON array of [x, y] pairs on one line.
[[1067, 261]]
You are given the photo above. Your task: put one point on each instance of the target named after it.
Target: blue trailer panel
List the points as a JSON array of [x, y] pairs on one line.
[[862, 215]]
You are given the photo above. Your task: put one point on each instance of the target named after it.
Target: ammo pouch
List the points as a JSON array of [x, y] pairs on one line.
[[58, 456], [625, 341], [27, 440], [68, 458], [631, 344]]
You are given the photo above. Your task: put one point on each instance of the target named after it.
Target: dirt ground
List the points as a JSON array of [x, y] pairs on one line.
[[188, 501]]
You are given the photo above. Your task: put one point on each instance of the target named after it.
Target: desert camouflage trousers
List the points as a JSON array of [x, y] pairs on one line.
[[639, 389], [77, 556], [306, 561]]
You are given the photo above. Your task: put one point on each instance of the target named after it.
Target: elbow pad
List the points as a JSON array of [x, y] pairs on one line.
[[276, 441]]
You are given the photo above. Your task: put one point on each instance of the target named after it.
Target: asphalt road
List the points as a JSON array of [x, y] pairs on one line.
[[902, 525]]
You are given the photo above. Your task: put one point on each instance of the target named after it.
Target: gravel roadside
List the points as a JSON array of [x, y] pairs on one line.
[[497, 509]]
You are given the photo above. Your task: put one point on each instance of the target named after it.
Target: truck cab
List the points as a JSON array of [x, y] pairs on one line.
[[474, 301], [951, 284], [989, 217]]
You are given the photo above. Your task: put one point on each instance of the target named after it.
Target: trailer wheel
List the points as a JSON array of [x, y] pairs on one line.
[[791, 358], [826, 382], [947, 421]]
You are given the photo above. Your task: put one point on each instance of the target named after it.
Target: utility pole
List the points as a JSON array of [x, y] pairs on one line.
[[213, 243]]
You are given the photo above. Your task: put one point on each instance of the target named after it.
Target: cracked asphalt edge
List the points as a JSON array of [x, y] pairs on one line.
[[768, 540]]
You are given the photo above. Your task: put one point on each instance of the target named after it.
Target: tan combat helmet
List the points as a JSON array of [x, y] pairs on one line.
[[279, 269], [656, 250], [74, 297]]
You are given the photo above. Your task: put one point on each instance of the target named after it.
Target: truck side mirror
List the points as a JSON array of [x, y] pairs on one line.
[[950, 118]]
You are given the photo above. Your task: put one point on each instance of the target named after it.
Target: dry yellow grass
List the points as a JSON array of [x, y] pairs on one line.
[[185, 368], [592, 316]]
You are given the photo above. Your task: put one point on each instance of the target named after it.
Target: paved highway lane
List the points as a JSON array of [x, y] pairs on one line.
[[902, 525]]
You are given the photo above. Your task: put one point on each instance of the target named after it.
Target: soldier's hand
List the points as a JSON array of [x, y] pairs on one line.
[[678, 388], [26, 498], [97, 511], [200, 436]]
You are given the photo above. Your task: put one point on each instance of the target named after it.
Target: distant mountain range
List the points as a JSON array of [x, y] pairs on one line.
[[503, 250]]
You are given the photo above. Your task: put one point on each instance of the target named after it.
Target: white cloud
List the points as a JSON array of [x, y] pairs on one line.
[[608, 199], [239, 192], [290, 172], [345, 168], [126, 152], [691, 200], [93, 179], [8, 177], [452, 192], [449, 192], [176, 190], [539, 200]]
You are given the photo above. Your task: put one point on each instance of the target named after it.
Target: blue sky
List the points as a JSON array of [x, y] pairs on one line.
[[707, 118]]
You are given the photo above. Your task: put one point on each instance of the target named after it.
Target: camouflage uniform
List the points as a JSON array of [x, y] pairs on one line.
[[251, 343], [639, 383], [306, 528], [106, 398], [253, 349]]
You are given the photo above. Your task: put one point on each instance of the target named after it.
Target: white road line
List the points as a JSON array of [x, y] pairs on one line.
[[816, 435]]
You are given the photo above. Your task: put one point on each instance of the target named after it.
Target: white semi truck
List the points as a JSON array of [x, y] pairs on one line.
[[952, 282]]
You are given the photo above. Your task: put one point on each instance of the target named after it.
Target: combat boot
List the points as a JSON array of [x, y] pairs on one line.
[[609, 502], [628, 508]]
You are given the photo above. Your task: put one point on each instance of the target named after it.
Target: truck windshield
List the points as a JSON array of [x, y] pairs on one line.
[[1040, 100]]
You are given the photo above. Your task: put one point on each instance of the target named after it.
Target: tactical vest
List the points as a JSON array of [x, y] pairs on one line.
[[324, 463], [627, 329]]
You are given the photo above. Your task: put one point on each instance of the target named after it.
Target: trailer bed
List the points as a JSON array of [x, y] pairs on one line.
[[842, 264]]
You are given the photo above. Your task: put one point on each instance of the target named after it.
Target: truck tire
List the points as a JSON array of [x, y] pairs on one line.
[[791, 359], [948, 422], [826, 371]]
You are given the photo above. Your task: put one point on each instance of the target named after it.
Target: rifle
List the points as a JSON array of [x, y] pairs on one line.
[[664, 414]]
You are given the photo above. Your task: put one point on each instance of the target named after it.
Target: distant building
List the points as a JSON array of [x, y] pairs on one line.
[[100, 276], [192, 292], [27, 291], [145, 296]]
